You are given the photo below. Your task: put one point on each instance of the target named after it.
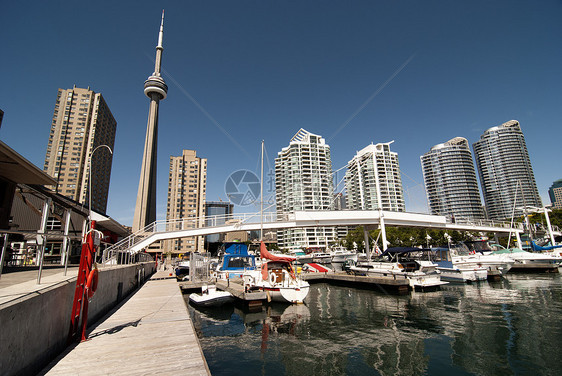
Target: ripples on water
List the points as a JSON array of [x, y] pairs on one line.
[[502, 328]]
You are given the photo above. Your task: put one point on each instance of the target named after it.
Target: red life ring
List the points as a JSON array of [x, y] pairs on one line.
[[272, 278], [92, 282]]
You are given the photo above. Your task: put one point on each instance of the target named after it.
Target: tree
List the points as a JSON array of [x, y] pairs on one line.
[[405, 237]]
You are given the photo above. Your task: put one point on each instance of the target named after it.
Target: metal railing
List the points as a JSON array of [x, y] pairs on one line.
[[192, 223], [484, 223], [235, 220], [120, 257]]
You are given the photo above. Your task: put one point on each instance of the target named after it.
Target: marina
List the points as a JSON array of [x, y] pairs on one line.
[[336, 255], [490, 328]]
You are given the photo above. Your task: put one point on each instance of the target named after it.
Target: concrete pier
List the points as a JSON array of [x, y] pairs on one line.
[[150, 334]]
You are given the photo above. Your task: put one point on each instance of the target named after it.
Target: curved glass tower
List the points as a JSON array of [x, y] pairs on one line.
[[505, 171], [450, 180], [373, 181], [303, 181]]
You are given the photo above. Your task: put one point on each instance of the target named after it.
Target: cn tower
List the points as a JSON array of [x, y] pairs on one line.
[[156, 89]]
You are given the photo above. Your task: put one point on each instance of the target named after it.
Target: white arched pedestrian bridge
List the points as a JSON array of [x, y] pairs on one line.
[[181, 228]]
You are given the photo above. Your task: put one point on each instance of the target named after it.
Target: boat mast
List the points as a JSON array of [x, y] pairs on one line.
[[261, 195]]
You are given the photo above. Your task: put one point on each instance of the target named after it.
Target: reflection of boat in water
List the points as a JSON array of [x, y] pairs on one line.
[[235, 261], [211, 297], [277, 278], [403, 261]]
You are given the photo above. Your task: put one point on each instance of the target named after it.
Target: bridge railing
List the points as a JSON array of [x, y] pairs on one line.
[[484, 223], [120, 257], [181, 224], [190, 223]]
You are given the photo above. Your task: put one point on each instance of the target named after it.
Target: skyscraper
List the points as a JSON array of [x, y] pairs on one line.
[[81, 122], [187, 185], [303, 181], [156, 89], [373, 181], [506, 175], [450, 180], [555, 193]]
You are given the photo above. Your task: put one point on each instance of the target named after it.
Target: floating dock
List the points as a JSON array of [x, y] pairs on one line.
[[150, 334], [395, 283]]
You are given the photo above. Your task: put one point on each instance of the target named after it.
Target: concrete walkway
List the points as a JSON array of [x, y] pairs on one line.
[[150, 334]]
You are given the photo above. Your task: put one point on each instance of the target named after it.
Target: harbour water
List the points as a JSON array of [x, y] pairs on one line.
[[500, 328]]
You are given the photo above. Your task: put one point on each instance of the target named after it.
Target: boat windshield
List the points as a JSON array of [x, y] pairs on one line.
[[480, 246], [496, 247], [240, 262], [460, 250]]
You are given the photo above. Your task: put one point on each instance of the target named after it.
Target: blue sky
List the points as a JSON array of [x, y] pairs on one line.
[[355, 72]]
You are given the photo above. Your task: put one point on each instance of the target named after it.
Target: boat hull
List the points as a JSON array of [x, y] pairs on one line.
[[415, 279], [287, 294], [216, 299], [463, 275]]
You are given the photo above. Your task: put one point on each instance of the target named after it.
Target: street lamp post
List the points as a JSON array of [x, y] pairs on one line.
[[90, 183], [90, 179]]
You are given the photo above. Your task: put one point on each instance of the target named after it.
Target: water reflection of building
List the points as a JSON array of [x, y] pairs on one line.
[[505, 328], [362, 326], [508, 327]]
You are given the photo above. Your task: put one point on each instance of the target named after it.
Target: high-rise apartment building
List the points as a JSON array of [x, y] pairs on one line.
[[555, 193], [450, 180], [186, 199], [303, 181], [506, 175], [373, 180], [82, 121]]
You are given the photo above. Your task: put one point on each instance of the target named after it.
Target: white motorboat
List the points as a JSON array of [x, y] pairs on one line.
[[182, 271], [342, 254], [476, 254], [452, 273], [211, 297], [321, 257], [301, 256], [234, 261], [456, 273], [528, 261], [277, 278], [419, 273]]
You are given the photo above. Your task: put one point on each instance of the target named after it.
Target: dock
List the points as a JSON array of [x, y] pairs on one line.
[[151, 333], [396, 283]]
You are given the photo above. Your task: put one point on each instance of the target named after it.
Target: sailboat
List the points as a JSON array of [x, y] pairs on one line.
[[277, 278]]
